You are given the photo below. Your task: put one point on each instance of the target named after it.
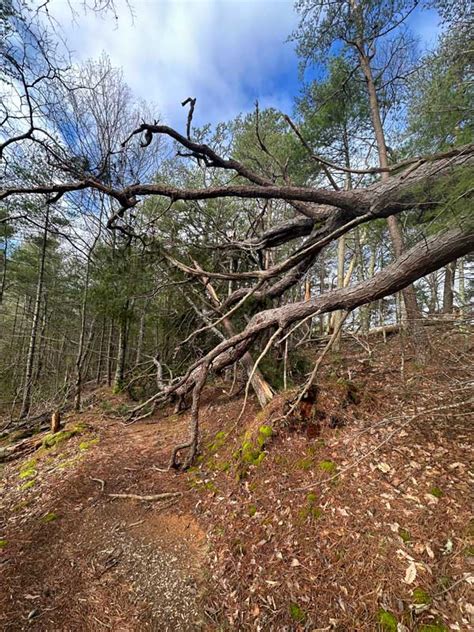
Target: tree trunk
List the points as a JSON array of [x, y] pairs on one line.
[[261, 387], [3, 281], [41, 344], [159, 372], [121, 353], [109, 353], [431, 301], [462, 288], [28, 382], [341, 252], [80, 350], [448, 288], [141, 334], [101, 350], [409, 296]]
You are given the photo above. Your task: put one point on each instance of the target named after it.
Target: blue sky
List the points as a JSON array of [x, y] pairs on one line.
[[227, 53]]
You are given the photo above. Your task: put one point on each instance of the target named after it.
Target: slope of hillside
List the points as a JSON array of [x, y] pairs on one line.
[[356, 517]]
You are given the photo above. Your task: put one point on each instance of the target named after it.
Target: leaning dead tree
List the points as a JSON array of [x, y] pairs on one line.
[[320, 216]]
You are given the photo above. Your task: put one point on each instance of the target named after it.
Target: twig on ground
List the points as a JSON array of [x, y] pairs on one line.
[[151, 497], [100, 481], [465, 578]]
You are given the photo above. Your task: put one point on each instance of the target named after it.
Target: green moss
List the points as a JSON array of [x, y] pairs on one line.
[[28, 473], [251, 455], [52, 440], [437, 492], [49, 517], [85, 445], [252, 510], [328, 466], [405, 535], [27, 485], [433, 627], [80, 427], [420, 596], [217, 442], [69, 462], [297, 613], [305, 463], [28, 469], [265, 431], [252, 451], [3, 544], [310, 510], [387, 621]]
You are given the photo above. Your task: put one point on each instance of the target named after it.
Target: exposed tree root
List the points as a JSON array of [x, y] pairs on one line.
[[192, 444], [321, 357]]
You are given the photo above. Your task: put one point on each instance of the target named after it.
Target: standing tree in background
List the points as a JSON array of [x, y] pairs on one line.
[[440, 108], [377, 48], [334, 112]]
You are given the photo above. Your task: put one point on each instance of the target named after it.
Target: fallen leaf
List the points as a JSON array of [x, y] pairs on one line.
[[410, 574]]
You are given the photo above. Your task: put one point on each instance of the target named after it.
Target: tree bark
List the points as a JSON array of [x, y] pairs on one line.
[[462, 287], [261, 387], [3, 281], [80, 350], [448, 288], [121, 353], [409, 296], [28, 381], [110, 346], [141, 334], [98, 375]]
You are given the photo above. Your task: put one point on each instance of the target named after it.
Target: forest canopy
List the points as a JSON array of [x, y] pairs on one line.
[[149, 258]]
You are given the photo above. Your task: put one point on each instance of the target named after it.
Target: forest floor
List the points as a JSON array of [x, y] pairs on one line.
[[355, 519]]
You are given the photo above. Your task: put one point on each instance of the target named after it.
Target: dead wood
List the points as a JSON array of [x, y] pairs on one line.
[[150, 498]]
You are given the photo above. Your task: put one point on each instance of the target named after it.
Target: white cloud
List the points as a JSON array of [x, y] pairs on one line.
[[227, 53]]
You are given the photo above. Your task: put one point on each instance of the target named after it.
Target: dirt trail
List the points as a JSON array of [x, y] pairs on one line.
[[77, 559], [282, 526]]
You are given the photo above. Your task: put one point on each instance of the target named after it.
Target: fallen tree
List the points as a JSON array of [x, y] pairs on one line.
[[426, 256], [321, 217]]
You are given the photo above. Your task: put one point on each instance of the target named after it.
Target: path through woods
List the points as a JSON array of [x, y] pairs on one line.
[[381, 528]]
